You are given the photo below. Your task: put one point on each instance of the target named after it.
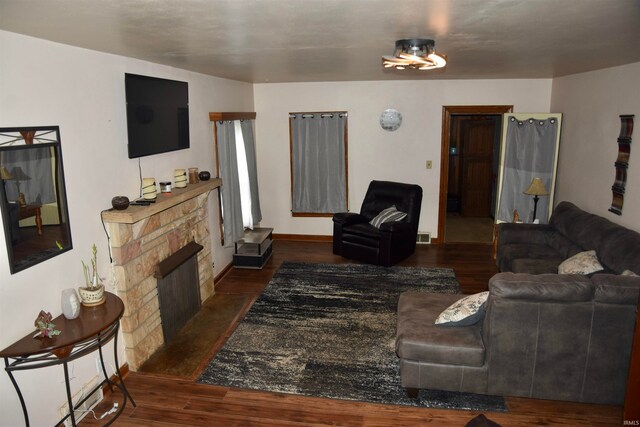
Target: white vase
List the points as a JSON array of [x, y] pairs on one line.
[[70, 303]]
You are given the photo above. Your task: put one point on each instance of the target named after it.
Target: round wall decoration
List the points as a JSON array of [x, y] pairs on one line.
[[390, 119]]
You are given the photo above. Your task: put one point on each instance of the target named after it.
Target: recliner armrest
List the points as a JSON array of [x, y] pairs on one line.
[[348, 218], [395, 226]]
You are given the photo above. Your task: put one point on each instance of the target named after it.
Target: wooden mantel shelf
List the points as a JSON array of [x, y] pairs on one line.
[[134, 214]]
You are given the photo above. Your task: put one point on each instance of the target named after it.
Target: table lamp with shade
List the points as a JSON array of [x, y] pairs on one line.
[[536, 189], [18, 176]]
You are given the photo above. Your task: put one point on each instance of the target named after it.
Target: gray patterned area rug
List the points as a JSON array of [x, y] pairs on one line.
[[328, 330]]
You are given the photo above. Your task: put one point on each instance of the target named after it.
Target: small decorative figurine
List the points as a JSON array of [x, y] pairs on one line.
[[46, 329]]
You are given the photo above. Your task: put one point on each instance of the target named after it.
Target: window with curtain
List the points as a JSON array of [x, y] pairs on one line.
[[318, 163], [236, 157]]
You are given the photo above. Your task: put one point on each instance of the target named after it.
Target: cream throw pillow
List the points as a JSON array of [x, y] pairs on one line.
[[464, 312], [582, 263]]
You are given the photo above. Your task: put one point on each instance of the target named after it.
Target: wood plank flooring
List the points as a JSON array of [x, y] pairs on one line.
[[165, 400]]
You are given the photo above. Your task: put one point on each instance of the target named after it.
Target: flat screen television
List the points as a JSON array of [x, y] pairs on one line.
[[157, 115]]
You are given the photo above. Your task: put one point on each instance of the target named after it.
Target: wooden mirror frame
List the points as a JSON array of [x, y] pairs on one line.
[[29, 245]]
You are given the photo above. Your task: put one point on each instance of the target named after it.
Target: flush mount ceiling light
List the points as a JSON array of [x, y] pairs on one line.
[[415, 53]]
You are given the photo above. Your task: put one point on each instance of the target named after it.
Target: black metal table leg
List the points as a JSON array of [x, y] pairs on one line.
[[15, 385], [72, 412]]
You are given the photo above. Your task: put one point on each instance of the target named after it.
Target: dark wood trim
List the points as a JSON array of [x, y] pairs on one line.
[[447, 112], [631, 412], [215, 149], [346, 159], [175, 260], [214, 117], [124, 370], [303, 237], [223, 273], [312, 214]]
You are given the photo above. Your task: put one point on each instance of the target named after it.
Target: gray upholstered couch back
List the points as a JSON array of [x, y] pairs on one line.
[[617, 247], [565, 337]]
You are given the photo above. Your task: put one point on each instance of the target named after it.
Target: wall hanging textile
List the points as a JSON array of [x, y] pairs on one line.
[[622, 163]]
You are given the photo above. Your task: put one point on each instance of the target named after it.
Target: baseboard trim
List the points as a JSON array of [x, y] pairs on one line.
[[124, 371], [303, 237], [223, 273]]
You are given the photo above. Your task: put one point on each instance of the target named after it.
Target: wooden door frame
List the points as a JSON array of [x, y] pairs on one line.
[[447, 112]]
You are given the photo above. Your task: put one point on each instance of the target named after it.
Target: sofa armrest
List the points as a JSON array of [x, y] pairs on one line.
[[348, 218], [523, 233], [616, 289], [541, 287]]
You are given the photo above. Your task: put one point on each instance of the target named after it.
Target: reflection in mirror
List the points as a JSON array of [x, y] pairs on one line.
[[32, 195]]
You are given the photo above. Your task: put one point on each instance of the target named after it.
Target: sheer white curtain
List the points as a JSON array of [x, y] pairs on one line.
[[239, 190]]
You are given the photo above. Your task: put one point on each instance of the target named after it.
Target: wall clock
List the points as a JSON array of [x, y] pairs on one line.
[[390, 119]]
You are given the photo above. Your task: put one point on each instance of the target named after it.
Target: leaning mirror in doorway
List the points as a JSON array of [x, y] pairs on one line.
[[32, 195]]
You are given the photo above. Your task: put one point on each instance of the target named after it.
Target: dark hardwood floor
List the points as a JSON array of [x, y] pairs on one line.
[[167, 400]]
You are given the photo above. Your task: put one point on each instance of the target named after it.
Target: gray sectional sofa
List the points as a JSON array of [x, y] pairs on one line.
[[537, 249], [546, 336]]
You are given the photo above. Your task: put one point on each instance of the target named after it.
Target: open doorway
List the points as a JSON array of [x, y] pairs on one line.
[[469, 169]]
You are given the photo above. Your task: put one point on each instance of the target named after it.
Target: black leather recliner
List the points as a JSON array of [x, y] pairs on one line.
[[355, 238]]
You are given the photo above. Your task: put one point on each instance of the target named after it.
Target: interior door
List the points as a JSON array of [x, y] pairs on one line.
[[477, 171]]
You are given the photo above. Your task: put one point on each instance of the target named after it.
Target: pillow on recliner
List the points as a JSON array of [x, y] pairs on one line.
[[387, 215], [581, 263], [464, 312]]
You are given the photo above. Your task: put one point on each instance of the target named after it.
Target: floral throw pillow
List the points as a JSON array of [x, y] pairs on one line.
[[464, 312], [582, 263], [387, 215]]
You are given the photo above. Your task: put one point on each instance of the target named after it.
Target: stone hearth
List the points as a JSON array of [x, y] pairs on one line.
[[141, 237]]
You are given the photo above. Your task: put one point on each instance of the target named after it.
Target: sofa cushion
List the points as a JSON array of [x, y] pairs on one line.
[[419, 339], [464, 312], [514, 251], [535, 266], [581, 263]]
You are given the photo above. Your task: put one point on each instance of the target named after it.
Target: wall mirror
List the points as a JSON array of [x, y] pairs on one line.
[[32, 195]]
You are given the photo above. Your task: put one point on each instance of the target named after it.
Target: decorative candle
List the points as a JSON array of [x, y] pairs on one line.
[[180, 178], [149, 191], [165, 187], [193, 176]]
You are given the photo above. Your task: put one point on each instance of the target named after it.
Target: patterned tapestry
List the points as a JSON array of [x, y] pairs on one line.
[[622, 163]]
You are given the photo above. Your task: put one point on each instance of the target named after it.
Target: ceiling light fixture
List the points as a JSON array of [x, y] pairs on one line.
[[415, 53]]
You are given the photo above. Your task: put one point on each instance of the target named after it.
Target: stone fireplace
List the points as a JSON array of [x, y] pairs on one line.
[[141, 237]]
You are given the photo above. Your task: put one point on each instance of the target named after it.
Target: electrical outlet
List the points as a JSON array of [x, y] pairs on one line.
[[429, 164]]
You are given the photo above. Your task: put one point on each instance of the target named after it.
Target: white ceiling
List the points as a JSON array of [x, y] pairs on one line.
[[341, 40]]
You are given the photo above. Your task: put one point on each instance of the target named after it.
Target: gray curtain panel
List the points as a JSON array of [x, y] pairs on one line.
[[318, 163], [530, 148], [32, 170], [252, 166], [230, 189]]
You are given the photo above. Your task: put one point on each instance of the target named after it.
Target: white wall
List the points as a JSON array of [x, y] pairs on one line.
[[82, 91], [592, 103], [373, 152]]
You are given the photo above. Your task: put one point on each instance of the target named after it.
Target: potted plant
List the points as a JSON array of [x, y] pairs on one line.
[[93, 291]]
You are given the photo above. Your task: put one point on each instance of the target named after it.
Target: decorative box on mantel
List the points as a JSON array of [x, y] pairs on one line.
[[141, 237]]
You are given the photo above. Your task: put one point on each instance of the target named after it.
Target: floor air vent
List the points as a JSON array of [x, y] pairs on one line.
[[423, 238]]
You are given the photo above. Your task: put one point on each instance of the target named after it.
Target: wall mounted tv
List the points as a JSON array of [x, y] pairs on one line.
[[157, 115]]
